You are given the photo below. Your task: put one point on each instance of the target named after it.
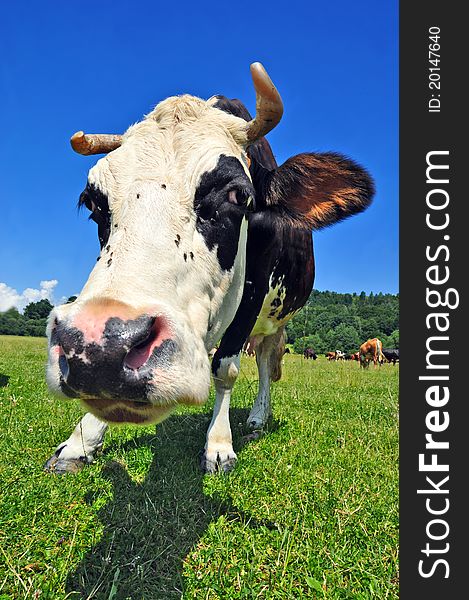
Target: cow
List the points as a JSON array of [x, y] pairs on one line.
[[331, 355], [391, 355], [310, 353], [204, 241], [371, 350], [339, 355]]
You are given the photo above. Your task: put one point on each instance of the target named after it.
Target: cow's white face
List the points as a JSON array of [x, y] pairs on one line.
[[171, 207]]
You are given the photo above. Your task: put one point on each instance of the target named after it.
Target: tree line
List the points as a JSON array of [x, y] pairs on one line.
[[328, 321], [333, 321], [31, 322]]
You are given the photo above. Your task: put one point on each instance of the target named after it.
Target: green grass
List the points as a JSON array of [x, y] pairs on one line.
[[310, 511]]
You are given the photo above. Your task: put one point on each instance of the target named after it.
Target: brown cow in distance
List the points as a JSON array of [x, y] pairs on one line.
[[371, 350]]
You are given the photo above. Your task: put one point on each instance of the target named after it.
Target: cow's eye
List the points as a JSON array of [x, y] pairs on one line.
[[239, 197]]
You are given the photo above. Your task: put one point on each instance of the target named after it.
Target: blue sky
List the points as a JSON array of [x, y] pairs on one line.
[[100, 66]]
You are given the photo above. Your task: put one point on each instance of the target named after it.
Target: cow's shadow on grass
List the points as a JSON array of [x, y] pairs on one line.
[[4, 379], [150, 527]]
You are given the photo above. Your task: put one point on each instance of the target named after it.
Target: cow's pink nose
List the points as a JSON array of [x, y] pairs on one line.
[[113, 347]]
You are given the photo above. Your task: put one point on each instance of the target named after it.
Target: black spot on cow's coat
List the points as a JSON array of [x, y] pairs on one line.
[[177, 240], [109, 262], [218, 219], [276, 302], [185, 257], [163, 185], [191, 254], [138, 195]]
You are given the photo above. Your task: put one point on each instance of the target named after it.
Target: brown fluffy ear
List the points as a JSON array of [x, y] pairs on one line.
[[318, 190]]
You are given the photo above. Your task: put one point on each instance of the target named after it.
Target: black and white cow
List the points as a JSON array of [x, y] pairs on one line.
[[204, 241]]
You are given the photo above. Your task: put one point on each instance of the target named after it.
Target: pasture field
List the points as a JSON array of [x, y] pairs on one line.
[[310, 511]]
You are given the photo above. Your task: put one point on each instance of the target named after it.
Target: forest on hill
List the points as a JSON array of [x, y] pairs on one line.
[[328, 321], [333, 321]]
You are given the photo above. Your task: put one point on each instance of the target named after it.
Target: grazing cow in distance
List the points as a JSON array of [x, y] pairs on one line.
[[391, 355], [339, 355], [356, 356], [331, 355], [371, 350], [310, 353], [204, 241]]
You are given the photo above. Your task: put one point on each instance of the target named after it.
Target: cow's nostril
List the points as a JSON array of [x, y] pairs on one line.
[[63, 363], [138, 355]]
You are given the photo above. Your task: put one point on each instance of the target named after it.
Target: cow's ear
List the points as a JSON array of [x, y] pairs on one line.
[[318, 190]]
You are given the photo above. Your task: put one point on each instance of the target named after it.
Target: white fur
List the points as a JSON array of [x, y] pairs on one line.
[[219, 445], [86, 439]]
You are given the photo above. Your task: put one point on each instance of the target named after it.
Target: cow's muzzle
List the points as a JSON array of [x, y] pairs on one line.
[[109, 352]]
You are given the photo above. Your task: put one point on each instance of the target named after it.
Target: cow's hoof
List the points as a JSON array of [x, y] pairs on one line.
[[258, 419], [60, 464], [212, 463], [255, 424]]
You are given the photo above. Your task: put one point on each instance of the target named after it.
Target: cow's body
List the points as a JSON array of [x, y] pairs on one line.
[[331, 355], [371, 350], [391, 355], [310, 353], [206, 242]]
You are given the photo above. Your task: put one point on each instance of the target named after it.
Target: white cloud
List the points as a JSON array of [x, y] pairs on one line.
[[9, 297]]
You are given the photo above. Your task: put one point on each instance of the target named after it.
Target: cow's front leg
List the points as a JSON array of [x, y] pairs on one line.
[[80, 448], [269, 354], [218, 453]]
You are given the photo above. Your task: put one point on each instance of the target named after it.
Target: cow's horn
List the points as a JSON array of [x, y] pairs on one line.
[[95, 143], [269, 106]]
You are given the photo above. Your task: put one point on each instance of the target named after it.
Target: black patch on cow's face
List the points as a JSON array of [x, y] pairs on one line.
[[97, 203], [220, 202]]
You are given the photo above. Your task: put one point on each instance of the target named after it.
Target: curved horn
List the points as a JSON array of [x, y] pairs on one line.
[[95, 143], [269, 106]]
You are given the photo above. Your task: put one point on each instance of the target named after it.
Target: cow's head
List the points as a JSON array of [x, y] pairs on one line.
[[172, 200]]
